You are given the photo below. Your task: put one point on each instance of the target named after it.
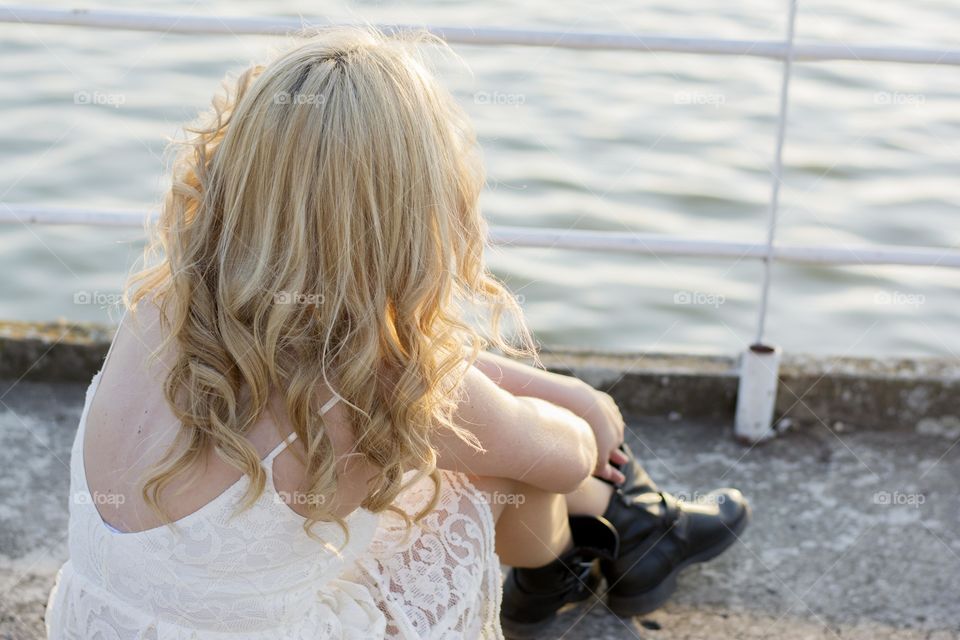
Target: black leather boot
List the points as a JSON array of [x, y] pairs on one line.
[[532, 597], [659, 537], [637, 481]]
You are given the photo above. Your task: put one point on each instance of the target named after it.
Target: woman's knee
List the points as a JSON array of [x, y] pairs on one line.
[[497, 492]]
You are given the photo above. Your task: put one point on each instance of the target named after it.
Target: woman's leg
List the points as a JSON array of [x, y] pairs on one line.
[[553, 555], [591, 499], [532, 526]]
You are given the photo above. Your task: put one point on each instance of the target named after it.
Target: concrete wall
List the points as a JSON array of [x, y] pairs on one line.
[[843, 393]]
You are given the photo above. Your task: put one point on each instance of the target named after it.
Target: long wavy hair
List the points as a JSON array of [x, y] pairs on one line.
[[323, 229]]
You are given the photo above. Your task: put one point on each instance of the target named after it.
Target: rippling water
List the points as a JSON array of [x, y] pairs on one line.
[[662, 143]]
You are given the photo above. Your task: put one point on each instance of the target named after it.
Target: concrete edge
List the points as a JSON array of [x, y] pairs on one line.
[[842, 392], [59, 351]]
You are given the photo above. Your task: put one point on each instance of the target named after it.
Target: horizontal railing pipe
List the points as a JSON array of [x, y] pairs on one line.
[[29, 214], [231, 25], [574, 239], [664, 245]]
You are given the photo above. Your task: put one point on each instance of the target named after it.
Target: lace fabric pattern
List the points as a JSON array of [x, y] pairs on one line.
[[255, 574], [440, 577]]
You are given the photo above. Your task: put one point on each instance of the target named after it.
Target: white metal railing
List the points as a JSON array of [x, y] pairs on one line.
[[575, 239], [787, 50], [789, 53], [810, 52]]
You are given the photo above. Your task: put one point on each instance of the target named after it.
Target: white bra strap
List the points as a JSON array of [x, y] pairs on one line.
[[329, 404], [268, 460]]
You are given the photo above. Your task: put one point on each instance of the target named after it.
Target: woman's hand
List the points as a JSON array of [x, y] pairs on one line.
[[604, 417]]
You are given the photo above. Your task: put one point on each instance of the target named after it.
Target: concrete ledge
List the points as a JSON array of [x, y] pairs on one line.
[[842, 393], [853, 536], [52, 351]]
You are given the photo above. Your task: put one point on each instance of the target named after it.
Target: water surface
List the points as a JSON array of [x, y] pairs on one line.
[[619, 141]]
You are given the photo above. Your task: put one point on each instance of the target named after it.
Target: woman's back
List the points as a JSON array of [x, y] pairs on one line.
[[254, 573], [130, 426], [221, 568]]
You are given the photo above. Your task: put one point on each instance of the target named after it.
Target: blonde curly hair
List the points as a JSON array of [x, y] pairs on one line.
[[323, 229]]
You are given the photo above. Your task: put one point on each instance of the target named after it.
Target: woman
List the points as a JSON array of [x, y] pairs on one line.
[[297, 434]]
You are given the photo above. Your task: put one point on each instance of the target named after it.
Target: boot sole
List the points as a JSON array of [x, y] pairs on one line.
[[513, 630], [517, 630], [638, 605]]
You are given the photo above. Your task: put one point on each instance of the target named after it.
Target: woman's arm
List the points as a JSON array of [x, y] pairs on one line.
[[594, 406], [524, 438], [523, 380]]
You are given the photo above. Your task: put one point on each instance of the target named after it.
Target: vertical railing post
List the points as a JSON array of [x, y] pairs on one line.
[[760, 363]]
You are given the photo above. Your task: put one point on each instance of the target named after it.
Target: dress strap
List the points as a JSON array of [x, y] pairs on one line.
[[113, 342], [95, 381], [277, 450]]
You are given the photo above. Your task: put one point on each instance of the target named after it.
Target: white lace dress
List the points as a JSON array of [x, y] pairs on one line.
[[259, 576]]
